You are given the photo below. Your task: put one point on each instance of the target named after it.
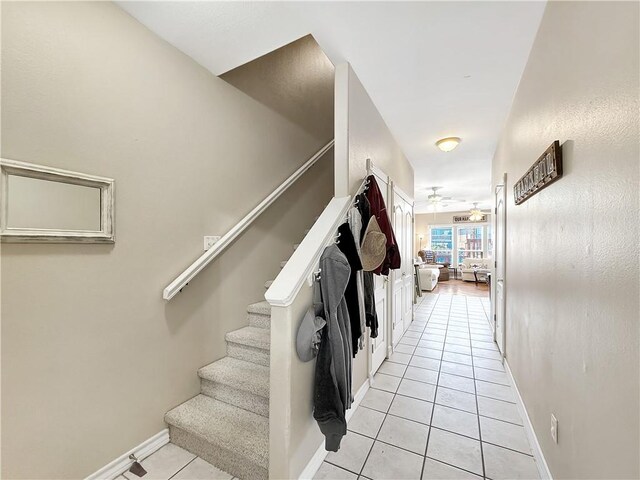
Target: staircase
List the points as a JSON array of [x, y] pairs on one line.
[[228, 423]]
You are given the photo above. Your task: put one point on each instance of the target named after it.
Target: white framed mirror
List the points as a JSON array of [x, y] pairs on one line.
[[45, 204]]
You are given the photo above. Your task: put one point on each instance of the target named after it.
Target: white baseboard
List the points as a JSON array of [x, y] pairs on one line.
[[318, 457], [543, 468], [123, 463]]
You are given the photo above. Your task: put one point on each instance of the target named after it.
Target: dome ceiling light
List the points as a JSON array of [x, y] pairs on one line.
[[448, 144]]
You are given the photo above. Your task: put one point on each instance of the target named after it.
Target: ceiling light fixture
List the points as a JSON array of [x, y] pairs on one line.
[[448, 144], [475, 213], [434, 197]]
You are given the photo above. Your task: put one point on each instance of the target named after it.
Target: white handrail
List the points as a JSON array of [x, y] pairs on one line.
[[196, 267], [305, 258]]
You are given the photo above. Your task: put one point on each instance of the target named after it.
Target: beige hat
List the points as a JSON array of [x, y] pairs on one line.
[[374, 246]]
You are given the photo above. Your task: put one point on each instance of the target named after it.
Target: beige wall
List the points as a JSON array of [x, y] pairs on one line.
[[296, 81], [367, 137], [424, 220], [92, 357], [572, 266]]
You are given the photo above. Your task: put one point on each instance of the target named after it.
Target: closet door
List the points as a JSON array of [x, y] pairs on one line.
[[397, 306], [379, 345], [407, 267]]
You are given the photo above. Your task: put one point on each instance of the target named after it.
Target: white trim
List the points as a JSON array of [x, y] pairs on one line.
[[402, 194], [123, 463], [106, 233], [541, 463], [228, 238], [373, 170], [316, 461]]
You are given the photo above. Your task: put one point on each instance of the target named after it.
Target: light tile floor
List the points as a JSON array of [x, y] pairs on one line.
[[441, 407], [173, 462]]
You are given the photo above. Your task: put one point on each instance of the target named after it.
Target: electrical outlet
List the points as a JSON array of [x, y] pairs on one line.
[[554, 428], [209, 241]]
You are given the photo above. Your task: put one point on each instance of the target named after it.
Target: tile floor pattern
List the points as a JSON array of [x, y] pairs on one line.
[[441, 407], [173, 462]]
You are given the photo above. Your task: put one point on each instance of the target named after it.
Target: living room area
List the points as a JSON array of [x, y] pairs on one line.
[[453, 252]]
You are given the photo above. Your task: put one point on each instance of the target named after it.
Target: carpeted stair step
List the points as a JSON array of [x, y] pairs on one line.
[[268, 283], [260, 313], [250, 344], [295, 247], [282, 264], [228, 437], [236, 382]]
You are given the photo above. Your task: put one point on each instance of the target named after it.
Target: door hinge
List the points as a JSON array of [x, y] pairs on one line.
[[495, 264]]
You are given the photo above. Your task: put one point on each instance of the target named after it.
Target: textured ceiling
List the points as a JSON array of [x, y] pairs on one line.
[[433, 69]]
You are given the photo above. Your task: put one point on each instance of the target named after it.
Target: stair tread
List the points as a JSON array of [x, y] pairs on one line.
[[282, 264], [268, 283], [243, 432], [251, 336], [261, 308], [239, 374]]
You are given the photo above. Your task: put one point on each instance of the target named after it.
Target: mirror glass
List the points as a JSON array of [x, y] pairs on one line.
[[41, 204]]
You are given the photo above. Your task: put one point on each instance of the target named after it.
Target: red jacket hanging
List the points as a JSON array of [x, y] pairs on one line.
[[379, 209]]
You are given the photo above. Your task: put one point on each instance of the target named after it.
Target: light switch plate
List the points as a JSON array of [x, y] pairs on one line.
[[209, 241], [554, 428]]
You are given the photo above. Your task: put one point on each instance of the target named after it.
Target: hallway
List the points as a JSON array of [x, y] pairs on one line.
[[441, 406]]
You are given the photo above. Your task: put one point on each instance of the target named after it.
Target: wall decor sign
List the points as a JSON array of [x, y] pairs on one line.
[[467, 219], [546, 170]]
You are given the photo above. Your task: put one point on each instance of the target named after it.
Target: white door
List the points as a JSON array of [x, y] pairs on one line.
[[381, 344], [407, 267], [500, 246], [397, 306]]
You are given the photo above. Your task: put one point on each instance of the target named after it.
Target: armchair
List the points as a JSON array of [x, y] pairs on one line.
[[467, 267]]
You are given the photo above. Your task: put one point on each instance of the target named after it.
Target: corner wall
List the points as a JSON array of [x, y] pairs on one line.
[[361, 133], [92, 357], [572, 250]]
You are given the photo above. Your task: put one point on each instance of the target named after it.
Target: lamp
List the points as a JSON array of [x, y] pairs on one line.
[[475, 213], [448, 144], [420, 237]]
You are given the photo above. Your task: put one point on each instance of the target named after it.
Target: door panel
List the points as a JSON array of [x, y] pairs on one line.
[[397, 275], [500, 244], [380, 345], [407, 267]]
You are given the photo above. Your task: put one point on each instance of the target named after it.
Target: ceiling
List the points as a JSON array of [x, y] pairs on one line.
[[433, 69]]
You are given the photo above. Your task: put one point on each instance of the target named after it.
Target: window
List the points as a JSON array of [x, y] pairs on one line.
[[442, 244], [469, 242], [453, 243]]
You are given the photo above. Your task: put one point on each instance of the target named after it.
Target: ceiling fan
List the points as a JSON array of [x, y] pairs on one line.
[[436, 199]]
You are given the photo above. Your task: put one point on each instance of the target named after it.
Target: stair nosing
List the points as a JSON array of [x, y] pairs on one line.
[[252, 338], [209, 436], [211, 373]]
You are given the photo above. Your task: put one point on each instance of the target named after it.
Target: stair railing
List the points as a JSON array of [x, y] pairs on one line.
[[227, 239], [294, 436]]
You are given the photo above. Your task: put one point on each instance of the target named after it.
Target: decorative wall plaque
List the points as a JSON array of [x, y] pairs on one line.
[[546, 170], [467, 219]]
